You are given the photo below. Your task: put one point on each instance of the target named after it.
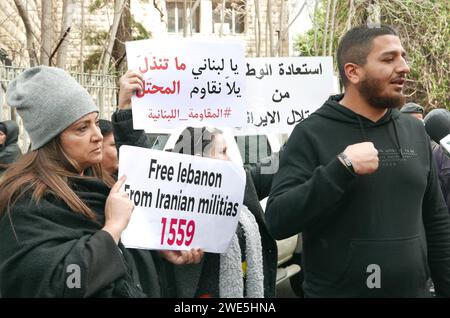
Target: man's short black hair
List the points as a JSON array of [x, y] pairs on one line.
[[356, 45], [105, 126]]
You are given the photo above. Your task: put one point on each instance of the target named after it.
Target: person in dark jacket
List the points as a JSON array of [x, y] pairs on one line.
[[9, 149], [2, 135], [413, 110], [358, 180], [437, 125], [110, 160], [60, 220], [238, 272], [258, 183]]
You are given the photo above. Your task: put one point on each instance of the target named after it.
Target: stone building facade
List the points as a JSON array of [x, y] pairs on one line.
[[160, 18]]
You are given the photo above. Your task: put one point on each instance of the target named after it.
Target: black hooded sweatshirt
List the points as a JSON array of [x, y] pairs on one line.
[[374, 235]]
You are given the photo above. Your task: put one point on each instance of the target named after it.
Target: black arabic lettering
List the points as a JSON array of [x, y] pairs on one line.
[[297, 116], [272, 116], [281, 68], [233, 89], [279, 95], [233, 68], [249, 117], [200, 69], [194, 90], [203, 91], [212, 88], [250, 71], [212, 67]]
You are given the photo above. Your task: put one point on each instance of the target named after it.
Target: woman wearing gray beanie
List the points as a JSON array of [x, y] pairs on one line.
[[60, 220]]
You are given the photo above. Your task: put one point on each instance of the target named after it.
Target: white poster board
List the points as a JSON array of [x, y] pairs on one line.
[[284, 91], [188, 82], [182, 201]]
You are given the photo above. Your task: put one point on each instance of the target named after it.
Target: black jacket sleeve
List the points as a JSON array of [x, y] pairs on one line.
[[124, 134], [303, 190], [10, 153], [436, 221], [262, 175], [45, 256]]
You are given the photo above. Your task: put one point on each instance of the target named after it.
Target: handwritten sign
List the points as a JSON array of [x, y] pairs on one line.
[[188, 83], [284, 91], [182, 201]]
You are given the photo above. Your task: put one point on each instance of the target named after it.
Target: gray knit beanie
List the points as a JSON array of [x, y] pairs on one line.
[[49, 100]]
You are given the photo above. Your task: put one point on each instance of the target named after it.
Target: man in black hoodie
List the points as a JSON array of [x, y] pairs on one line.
[[357, 180]]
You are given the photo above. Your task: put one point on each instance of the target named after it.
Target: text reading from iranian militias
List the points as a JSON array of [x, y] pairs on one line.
[[181, 201], [216, 204]]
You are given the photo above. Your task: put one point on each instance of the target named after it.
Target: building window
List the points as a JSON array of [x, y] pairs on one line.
[[233, 17], [175, 15]]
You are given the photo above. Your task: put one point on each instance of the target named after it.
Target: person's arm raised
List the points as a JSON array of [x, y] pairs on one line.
[[130, 82]]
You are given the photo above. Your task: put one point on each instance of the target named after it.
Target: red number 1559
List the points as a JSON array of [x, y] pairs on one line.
[[180, 231]]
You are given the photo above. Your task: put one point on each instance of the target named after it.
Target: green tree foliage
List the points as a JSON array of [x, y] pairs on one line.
[[99, 38], [424, 28]]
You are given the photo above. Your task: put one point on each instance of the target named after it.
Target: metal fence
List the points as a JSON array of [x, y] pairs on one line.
[[102, 88]]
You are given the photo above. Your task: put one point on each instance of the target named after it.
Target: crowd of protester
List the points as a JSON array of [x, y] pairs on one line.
[[365, 179]]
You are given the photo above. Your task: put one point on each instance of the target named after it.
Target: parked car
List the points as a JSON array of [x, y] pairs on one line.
[[248, 149]]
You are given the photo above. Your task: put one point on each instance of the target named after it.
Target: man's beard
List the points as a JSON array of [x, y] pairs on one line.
[[371, 90]]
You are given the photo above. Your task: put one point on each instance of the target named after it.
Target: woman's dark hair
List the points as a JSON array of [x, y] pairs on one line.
[[46, 170], [196, 141], [106, 126]]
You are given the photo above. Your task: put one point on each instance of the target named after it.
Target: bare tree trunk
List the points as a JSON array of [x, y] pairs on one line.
[[316, 26], [325, 30], [191, 15], [68, 12], [269, 22], [266, 37], [185, 21], [374, 15], [285, 31], [330, 47], [351, 12], [280, 38], [222, 18], [46, 31], [28, 30], [118, 8], [82, 43], [257, 29], [123, 35]]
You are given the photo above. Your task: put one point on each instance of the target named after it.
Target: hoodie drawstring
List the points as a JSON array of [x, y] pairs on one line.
[[361, 127], [397, 139]]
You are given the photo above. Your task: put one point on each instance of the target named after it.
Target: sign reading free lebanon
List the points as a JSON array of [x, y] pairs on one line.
[[182, 201]]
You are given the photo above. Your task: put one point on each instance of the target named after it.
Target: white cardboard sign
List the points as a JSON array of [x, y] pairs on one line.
[[182, 201], [188, 82]]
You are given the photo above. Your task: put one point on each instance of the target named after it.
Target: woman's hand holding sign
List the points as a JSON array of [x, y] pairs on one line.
[[118, 210], [194, 256]]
